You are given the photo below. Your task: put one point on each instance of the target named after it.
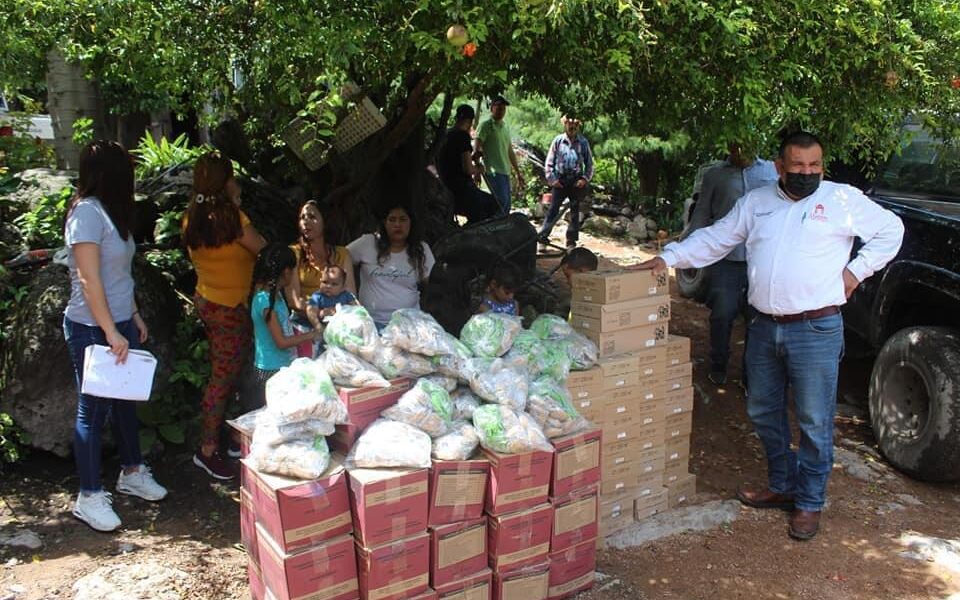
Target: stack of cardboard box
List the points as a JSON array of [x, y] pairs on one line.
[[627, 314], [678, 409]]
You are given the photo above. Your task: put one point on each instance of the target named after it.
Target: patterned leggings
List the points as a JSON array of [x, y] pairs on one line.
[[230, 334]]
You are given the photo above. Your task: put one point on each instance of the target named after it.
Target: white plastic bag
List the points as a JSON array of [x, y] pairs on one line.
[[550, 327], [583, 353], [550, 406], [507, 431], [304, 391], [349, 370], [300, 459], [447, 383], [273, 431], [416, 331], [464, 403], [490, 334], [526, 353], [352, 328], [426, 406], [494, 380], [459, 444], [395, 362], [388, 443]]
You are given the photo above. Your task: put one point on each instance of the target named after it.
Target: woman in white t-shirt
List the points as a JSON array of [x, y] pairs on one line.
[[391, 264]]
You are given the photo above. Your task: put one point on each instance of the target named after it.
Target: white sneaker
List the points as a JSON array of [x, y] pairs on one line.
[[95, 510], [141, 483]]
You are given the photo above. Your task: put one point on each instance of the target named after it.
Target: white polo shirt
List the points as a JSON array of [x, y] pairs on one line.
[[797, 250]]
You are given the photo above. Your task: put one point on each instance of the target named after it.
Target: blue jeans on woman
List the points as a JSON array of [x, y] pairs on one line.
[[806, 356], [92, 411]]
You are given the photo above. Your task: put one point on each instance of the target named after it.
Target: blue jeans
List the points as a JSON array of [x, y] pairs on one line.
[[727, 298], [500, 186], [806, 356], [558, 195], [93, 410]]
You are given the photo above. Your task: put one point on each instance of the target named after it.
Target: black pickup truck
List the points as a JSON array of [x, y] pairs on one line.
[[909, 314]]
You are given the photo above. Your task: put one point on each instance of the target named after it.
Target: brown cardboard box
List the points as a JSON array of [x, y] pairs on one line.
[[622, 495], [677, 383], [585, 379], [680, 425], [676, 450], [298, 513], [617, 436], [326, 571], [575, 518], [624, 380], [396, 570], [457, 551], [528, 583], [651, 434], [388, 504], [576, 461], [617, 365], [621, 477], [649, 485], [682, 491], [628, 340], [474, 587], [620, 315], [572, 569], [678, 350], [591, 409], [677, 471], [517, 481], [615, 515], [652, 362], [654, 463], [627, 453], [607, 286], [680, 370], [649, 505], [678, 401], [519, 539], [457, 490]]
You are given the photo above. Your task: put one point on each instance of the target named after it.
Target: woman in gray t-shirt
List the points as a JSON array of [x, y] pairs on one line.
[[102, 310]]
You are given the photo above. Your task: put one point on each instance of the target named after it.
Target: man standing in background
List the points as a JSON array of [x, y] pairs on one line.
[[495, 146], [722, 186]]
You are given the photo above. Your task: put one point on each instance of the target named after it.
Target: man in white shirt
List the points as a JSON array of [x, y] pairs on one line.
[[798, 233]]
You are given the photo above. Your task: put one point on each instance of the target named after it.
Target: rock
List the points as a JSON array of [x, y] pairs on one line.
[[637, 232], [909, 500], [131, 582], [11, 241], [41, 392], [651, 224], [602, 226], [945, 553], [35, 184], [626, 211], [854, 465], [23, 539], [890, 507], [689, 518]]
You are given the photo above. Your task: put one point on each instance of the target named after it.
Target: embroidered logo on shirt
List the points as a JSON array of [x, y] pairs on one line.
[[818, 214]]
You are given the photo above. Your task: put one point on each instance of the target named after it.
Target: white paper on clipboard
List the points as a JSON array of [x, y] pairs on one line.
[[103, 377]]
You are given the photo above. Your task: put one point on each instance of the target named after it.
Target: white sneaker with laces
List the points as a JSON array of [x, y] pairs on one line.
[[142, 484], [94, 509]]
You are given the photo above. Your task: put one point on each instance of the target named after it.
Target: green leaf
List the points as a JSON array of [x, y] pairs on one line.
[[172, 432]]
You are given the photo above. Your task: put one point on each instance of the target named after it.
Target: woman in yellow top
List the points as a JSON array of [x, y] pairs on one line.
[[314, 253], [223, 247]]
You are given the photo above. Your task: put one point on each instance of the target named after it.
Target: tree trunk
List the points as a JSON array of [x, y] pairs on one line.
[[648, 170], [71, 96]]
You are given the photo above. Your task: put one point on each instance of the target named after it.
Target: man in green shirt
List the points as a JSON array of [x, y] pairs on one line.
[[494, 145]]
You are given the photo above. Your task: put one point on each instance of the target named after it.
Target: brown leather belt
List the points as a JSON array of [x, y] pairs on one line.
[[808, 315]]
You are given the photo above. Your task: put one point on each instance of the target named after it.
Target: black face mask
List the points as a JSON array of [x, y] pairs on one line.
[[801, 185]]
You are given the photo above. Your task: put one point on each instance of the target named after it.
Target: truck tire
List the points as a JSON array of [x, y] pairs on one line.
[[692, 283], [915, 402]]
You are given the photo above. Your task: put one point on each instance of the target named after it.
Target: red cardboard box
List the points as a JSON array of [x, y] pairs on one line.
[[255, 580], [248, 527], [572, 570], [457, 550], [298, 513], [576, 462], [457, 490], [529, 583], [388, 504], [517, 481], [399, 569], [327, 571], [575, 518], [475, 587], [429, 594], [519, 539], [364, 406]]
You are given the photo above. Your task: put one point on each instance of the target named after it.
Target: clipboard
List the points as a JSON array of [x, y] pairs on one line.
[[103, 377]]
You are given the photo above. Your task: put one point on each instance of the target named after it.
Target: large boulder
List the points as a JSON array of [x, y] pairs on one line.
[[40, 389], [35, 184]]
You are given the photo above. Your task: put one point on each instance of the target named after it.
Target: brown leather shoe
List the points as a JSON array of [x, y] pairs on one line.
[[804, 524], [764, 499]]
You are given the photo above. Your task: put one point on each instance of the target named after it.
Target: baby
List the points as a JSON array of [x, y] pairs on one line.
[[323, 303]]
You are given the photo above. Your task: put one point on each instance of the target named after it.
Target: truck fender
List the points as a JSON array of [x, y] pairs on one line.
[[908, 274]]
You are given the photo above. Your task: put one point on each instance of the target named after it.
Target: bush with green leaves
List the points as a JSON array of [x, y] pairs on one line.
[[12, 441], [42, 226], [153, 158]]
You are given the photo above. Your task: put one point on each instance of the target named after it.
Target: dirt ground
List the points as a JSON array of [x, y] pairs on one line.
[[855, 556]]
